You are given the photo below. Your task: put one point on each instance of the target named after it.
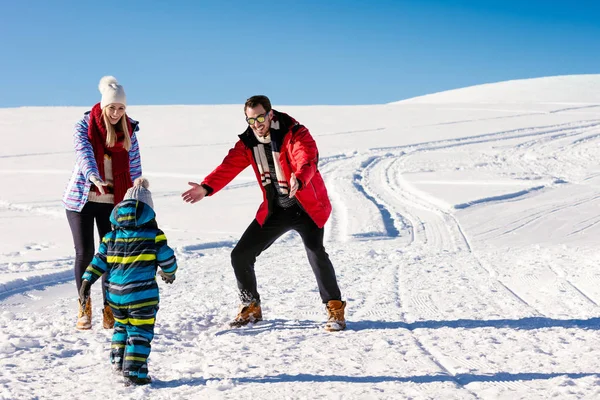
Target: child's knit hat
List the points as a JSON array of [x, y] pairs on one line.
[[139, 191]]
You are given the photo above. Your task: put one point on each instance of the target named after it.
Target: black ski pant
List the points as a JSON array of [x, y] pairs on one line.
[[82, 229], [256, 239]]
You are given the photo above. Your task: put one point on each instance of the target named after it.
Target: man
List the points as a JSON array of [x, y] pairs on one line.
[[284, 157]]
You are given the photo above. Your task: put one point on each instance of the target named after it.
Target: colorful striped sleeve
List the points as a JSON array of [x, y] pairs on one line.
[[84, 153], [98, 266], [135, 162], [165, 256]]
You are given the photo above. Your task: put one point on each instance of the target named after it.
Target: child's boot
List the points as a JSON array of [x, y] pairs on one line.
[[136, 380]]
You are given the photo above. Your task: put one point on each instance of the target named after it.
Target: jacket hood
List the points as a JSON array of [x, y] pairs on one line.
[[131, 214]]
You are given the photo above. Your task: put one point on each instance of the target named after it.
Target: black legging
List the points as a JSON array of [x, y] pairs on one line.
[[82, 229]]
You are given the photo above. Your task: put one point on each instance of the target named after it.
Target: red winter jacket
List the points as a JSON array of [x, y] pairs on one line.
[[298, 154]]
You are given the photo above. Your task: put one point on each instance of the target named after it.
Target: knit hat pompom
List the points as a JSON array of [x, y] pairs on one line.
[[111, 91], [141, 181], [106, 82], [139, 191]]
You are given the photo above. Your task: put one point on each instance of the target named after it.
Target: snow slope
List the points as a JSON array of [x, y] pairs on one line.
[[464, 235], [566, 89]]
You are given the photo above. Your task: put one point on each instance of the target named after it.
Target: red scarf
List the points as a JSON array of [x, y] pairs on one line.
[[119, 156]]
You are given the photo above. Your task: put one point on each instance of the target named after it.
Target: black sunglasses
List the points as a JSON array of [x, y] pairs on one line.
[[261, 118]]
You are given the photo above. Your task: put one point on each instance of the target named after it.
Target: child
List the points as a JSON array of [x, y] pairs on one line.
[[130, 254]]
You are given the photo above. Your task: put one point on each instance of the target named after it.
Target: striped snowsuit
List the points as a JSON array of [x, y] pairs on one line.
[[131, 253]]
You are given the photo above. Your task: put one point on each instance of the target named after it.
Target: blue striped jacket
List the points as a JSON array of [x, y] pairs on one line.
[[130, 254], [78, 188]]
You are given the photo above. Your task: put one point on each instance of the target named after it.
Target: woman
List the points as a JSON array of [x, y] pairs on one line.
[[107, 161]]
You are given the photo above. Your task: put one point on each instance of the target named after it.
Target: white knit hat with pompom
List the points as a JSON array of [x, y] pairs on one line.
[[139, 191], [111, 91]]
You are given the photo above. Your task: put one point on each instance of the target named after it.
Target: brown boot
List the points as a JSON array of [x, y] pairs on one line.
[[84, 316], [108, 319], [248, 313], [335, 313]]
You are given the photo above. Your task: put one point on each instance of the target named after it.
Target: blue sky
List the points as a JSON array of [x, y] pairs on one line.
[[302, 52]]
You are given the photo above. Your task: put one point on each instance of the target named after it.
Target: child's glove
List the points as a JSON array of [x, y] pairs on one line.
[[84, 291], [166, 278]]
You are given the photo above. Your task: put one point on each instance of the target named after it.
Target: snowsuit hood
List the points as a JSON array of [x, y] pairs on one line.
[[131, 214]]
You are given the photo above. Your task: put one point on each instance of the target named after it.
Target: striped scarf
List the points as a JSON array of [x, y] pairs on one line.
[[262, 164]]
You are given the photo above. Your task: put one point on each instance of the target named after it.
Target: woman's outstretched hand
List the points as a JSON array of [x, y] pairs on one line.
[[100, 184]]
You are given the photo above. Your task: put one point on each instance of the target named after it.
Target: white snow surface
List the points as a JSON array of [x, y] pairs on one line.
[[464, 235], [576, 90]]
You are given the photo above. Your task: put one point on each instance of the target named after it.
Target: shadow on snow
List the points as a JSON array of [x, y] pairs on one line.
[[463, 379], [522, 323], [529, 323]]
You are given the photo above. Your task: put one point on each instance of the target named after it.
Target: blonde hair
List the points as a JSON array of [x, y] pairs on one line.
[[111, 134]]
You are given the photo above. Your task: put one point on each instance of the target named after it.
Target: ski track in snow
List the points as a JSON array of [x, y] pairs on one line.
[[439, 229], [414, 321]]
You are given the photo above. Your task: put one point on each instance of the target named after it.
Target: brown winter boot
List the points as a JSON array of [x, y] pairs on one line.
[[108, 319], [335, 313], [248, 313], [84, 316]]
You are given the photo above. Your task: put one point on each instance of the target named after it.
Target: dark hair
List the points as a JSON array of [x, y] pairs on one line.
[[257, 100]]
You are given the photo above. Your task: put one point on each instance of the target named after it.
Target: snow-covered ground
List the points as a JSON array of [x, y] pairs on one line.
[[464, 234]]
